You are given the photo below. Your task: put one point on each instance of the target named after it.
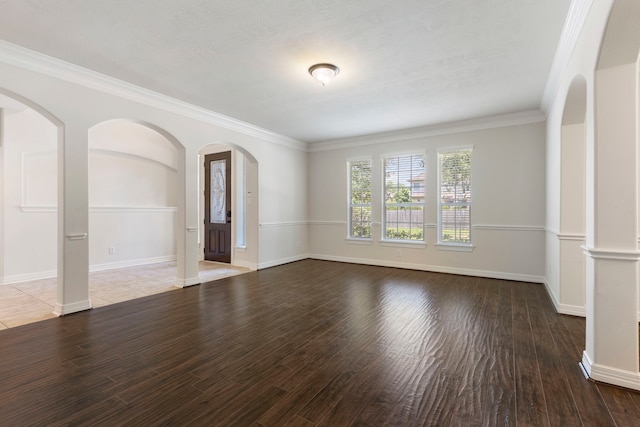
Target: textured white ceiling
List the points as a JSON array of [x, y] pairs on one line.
[[403, 64]]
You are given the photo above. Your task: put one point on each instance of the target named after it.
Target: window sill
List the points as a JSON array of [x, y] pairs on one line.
[[403, 243], [454, 247], [356, 241]]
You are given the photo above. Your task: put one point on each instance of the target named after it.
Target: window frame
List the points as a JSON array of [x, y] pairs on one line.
[[383, 238], [454, 245], [350, 205]]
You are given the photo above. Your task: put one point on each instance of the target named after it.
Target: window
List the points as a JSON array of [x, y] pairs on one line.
[[404, 197], [360, 199], [454, 198]]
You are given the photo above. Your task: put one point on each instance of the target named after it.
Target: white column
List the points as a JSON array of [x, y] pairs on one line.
[[73, 220], [611, 353], [187, 223]]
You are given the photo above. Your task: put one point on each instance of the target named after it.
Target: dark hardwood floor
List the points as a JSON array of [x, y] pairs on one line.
[[312, 343]]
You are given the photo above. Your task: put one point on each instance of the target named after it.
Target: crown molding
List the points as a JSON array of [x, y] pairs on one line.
[[490, 122], [26, 59], [576, 18]]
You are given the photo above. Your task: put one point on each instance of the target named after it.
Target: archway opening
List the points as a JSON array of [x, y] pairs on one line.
[[29, 141], [133, 209], [244, 203]]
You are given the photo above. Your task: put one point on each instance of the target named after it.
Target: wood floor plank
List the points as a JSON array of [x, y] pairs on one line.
[[288, 407], [250, 413], [588, 402], [335, 389], [380, 398], [621, 405], [561, 409], [499, 401], [299, 422], [102, 410], [531, 409], [312, 343]]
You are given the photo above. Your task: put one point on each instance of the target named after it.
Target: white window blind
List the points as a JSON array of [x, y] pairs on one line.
[[404, 192], [454, 196], [360, 199]]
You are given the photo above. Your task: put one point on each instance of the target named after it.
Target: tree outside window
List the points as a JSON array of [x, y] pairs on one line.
[[360, 199], [404, 197], [454, 221]]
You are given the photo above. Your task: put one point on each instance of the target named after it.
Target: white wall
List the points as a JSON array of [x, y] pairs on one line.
[[508, 192], [284, 209], [30, 194]]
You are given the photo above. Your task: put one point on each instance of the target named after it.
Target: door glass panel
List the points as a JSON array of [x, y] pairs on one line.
[[218, 192]]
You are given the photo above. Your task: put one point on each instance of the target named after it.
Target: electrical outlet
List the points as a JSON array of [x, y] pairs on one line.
[[112, 250]]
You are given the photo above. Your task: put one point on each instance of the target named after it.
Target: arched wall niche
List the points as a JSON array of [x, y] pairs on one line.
[[136, 171], [244, 200]]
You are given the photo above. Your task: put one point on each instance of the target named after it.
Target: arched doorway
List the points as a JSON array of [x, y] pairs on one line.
[[133, 205], [244, 203], [29, 228]]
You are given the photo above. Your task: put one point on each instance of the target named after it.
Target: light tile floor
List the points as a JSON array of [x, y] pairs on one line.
[[28, 302]]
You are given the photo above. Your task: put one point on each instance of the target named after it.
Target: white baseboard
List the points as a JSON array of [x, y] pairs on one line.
[[586, 363], [246, 264], [28, 277], [283, 261], [185, 283], [131, 263], [74, 307], [434, 268], [609, 375], [554, 300], [572, 310]]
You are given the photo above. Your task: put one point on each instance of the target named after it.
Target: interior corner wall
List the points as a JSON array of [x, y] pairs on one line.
[[248, 257], [284, 207], [508, 205], [552, 214]]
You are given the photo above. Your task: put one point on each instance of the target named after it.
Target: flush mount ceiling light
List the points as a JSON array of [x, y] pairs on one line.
[[324, 73]]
